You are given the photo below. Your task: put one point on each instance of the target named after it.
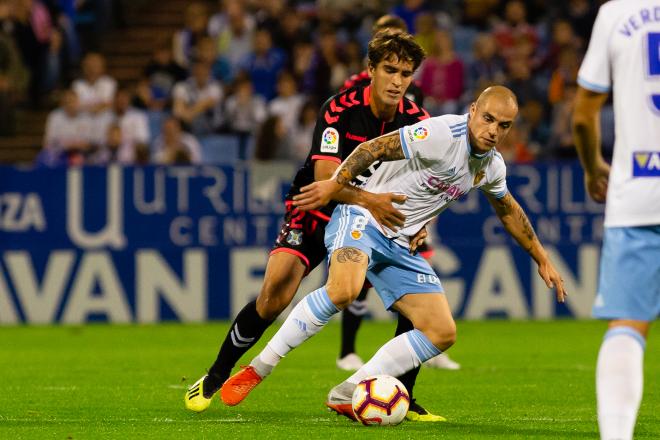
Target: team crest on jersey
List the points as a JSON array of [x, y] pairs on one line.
[[477, 177], [417, 134], [646, 164], [294, 238], [330, 141], [356, 234]]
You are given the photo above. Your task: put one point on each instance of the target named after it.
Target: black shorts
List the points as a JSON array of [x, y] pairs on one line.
[[302, 235]]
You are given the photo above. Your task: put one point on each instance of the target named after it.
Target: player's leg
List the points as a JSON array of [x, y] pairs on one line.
[[351, 318], [434, 331], [441, 361], [629, 297], [284, 273], [298, 249], [348, 267], [619, 378]]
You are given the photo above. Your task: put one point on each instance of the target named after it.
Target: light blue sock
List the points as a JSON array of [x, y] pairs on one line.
[[398, 356], [306, 319]]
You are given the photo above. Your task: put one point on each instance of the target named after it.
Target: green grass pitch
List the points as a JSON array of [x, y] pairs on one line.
[[520, 380]]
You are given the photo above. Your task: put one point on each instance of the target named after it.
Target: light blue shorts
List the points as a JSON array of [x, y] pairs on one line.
[[629, 281], [392, 270]]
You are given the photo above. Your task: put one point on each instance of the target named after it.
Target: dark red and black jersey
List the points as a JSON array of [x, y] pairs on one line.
[[414, 92], [345, 121]]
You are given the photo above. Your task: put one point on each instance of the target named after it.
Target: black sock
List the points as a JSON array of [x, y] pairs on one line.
[[351, 318], [408, 379], [245, 331]]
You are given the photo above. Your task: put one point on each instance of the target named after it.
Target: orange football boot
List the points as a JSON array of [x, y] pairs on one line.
[[238, 386]]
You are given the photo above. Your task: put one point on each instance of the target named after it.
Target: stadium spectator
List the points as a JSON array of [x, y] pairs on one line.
[[113, 149], [304, 130], [564, 75], [326, 72], [409, 10], [68, 131], [206, 51], [514, 28], [288, 102], [95, 90], [197, 100], [441, 76], [244, 111], [561, 136], [161, 74], [426, 27], [14, 77], [264, 64], [133, 125], [233, 30], [487, 67], [194, 29], [271, 142], [33, 29], [174, 146]]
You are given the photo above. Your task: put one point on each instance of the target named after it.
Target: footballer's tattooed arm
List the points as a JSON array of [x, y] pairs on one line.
[[385, 148], [517, 224]]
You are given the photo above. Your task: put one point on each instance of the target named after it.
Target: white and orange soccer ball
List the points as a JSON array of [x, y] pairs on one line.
[[380, 400]]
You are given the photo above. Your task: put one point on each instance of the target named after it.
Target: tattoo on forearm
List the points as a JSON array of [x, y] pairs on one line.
[[350, 255], [385, 148], [507, 206]]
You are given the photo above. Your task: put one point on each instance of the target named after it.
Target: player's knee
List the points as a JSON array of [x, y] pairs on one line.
[[341, 295], [442, 335]]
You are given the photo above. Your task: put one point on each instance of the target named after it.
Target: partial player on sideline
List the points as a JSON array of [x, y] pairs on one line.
[[624, 54]]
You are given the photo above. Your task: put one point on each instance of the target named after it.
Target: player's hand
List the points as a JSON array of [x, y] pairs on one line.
[[382, 209], [596, 181], [316, 194], [418, 240], [552, 279]]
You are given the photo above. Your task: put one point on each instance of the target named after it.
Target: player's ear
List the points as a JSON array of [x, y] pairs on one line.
[[371, 69]]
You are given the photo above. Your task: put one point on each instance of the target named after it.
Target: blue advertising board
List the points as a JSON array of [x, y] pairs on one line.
[[190, 243]]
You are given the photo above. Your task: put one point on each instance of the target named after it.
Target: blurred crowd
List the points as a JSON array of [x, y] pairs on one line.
[[244, 79]]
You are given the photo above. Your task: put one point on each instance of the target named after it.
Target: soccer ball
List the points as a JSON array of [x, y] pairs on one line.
[[380, 400]]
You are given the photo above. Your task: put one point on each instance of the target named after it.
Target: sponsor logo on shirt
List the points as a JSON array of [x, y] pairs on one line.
[[437, 185], [646, 164], [330, 141]]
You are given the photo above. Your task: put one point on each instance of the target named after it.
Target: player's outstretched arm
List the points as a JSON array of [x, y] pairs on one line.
[[517, 224], [586, 132], [384, 148], [380, 205]]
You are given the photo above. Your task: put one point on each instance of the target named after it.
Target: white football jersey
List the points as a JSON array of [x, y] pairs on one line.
[[625, 51], [438, 170]]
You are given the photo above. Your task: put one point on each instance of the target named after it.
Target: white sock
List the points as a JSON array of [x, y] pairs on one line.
[[397, 356], [619, 382], [306, 319]]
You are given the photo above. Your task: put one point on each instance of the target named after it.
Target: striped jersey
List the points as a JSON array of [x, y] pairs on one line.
[[624, 56], [439, 169], [344, 122]]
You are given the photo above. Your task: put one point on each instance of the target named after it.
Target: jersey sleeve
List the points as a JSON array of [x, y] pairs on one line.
[[428, 139], [326, 142], [595, 72], [495, 178]]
